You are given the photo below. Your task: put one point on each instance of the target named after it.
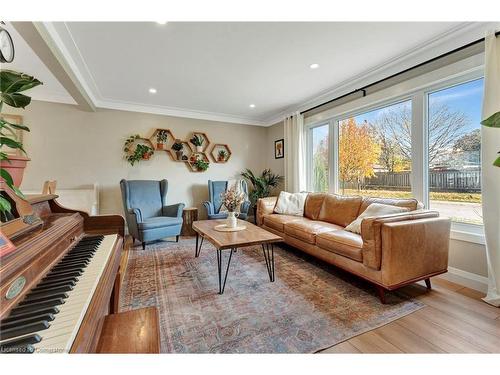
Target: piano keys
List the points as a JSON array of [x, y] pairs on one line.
[[62, 280]]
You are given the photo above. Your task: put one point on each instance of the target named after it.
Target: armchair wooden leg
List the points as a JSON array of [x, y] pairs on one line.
[[143, 245], [177, 238], [381, 293], [428, 283]]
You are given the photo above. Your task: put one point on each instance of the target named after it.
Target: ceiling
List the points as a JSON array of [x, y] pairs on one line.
[[216, 70]]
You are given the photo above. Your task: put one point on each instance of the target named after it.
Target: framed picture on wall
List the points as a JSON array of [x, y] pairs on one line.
[[279, 149], [18, 120]]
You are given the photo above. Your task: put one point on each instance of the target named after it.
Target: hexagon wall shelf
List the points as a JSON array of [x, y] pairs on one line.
[[218, 147], [189, 151]]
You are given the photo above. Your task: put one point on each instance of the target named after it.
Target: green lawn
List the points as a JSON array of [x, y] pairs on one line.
[[434, 196]]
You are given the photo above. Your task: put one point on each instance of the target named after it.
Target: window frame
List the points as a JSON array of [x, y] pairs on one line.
[[419, 136]]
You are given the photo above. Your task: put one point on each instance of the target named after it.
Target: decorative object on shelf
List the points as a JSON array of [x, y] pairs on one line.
[[262, 186], [231, 200], [279, 149], [12, 166], [178, 147], [161, 138], [201, 165], [137, 149], [220, 153], [197, 141]]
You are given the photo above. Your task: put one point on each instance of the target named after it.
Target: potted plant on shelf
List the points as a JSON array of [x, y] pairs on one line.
[[197, 141], [12, 166], [221, 155], [137, 153], [178, 148], [161, 138], [201, 165], [262, 185]]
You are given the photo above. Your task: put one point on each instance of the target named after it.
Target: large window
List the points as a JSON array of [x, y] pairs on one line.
[[374, 152], [454, 151], [320, 156]]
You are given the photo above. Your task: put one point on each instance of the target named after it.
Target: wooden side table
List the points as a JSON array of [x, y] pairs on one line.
[[189, 215]]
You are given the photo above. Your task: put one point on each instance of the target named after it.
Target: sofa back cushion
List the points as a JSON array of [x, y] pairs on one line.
[[409, 203], [314, 201], [340, 209]]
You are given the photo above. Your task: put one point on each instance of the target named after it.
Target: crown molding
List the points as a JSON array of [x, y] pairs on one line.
[[459, 35], [178, 112]]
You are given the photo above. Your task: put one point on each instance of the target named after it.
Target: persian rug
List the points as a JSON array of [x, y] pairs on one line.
[[311, 305]]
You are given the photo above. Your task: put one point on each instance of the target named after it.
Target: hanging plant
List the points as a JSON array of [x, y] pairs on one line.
[[135, 152]]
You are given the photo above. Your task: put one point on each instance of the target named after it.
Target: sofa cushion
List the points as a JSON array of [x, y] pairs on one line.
[[290, 204], [340, 209], [276, 221], [307, 230], [409, 203], [313, 204], [374, 210], [343, 243], [159, 222]]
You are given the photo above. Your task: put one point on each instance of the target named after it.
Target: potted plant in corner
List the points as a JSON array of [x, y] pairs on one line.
[[262, 185], [12, 166], [178, 147], [161, 139], [221, 155], [197, 141]]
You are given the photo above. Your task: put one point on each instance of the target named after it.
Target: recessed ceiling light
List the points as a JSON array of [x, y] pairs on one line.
[[152, 90], [252, 105], [161, 22], [314, 66]]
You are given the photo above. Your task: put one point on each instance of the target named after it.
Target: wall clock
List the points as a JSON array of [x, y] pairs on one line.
[[6, 47]]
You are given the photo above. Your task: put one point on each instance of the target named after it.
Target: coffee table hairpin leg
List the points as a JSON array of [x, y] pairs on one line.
[[222, 283], [268, 250], [197, 251]]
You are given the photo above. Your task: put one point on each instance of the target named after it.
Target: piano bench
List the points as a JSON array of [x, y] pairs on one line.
[[135, 331]]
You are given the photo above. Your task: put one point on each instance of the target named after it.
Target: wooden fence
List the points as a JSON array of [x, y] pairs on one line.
[[453, 181]]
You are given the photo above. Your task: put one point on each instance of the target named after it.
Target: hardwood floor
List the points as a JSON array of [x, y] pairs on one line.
[[454, 320]]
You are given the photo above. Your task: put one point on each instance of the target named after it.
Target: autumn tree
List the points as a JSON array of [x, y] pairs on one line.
[[320, 166], [358, 152], [469, 142]]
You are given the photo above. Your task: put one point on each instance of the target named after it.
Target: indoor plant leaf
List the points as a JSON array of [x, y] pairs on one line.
[[11, 81], [15, 100]]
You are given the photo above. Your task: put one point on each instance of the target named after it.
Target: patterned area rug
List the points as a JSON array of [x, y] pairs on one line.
[[311, 305]]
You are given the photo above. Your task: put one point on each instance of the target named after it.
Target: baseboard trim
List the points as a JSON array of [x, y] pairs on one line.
[[468, 279]]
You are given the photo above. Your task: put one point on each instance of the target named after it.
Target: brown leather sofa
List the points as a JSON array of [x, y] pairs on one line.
[[392, 251]]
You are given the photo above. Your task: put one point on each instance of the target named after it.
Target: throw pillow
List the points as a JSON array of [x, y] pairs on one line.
[[290, 203], [374, 210]]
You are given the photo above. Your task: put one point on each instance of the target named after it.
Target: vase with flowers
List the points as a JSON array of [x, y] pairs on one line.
[[231, 200]]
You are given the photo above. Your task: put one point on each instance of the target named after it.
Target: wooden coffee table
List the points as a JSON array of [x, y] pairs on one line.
[[252, 235]]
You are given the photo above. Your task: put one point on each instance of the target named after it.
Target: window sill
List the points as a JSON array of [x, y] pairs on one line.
[[467, 232]]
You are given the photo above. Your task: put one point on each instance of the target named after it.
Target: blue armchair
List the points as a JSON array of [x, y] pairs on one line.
[[148, 216], [213, 205]]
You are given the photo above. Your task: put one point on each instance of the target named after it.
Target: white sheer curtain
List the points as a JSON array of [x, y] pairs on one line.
[[295, 166], [490, 146]]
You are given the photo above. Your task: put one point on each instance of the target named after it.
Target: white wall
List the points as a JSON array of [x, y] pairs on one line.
[[78, 148]]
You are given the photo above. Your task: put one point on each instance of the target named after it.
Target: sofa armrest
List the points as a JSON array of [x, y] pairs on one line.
[[371, 233], [173, 210], [412, 249], [265, 206]]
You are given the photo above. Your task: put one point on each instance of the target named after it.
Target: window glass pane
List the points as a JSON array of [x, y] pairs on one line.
[[320, 170], [454, 117], [375, 152]]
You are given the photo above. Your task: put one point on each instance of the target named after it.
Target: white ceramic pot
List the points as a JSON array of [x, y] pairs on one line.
[[231, 221], [199, 148]]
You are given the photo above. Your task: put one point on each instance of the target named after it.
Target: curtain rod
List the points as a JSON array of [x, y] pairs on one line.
[[363, 89]]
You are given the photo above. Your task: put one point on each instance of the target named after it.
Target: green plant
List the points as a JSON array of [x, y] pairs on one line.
[[161, 136], [197, 140], [129, 142], [222, 154], [11, 85], [262, 185], [140, 152], [201, 165], [177, 146]]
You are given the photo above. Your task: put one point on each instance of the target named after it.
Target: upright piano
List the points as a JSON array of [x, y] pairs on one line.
[[63, 278]]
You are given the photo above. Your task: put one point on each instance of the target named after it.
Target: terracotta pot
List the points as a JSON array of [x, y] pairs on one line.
[[15, 167], [159, 146], [146, 156]]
